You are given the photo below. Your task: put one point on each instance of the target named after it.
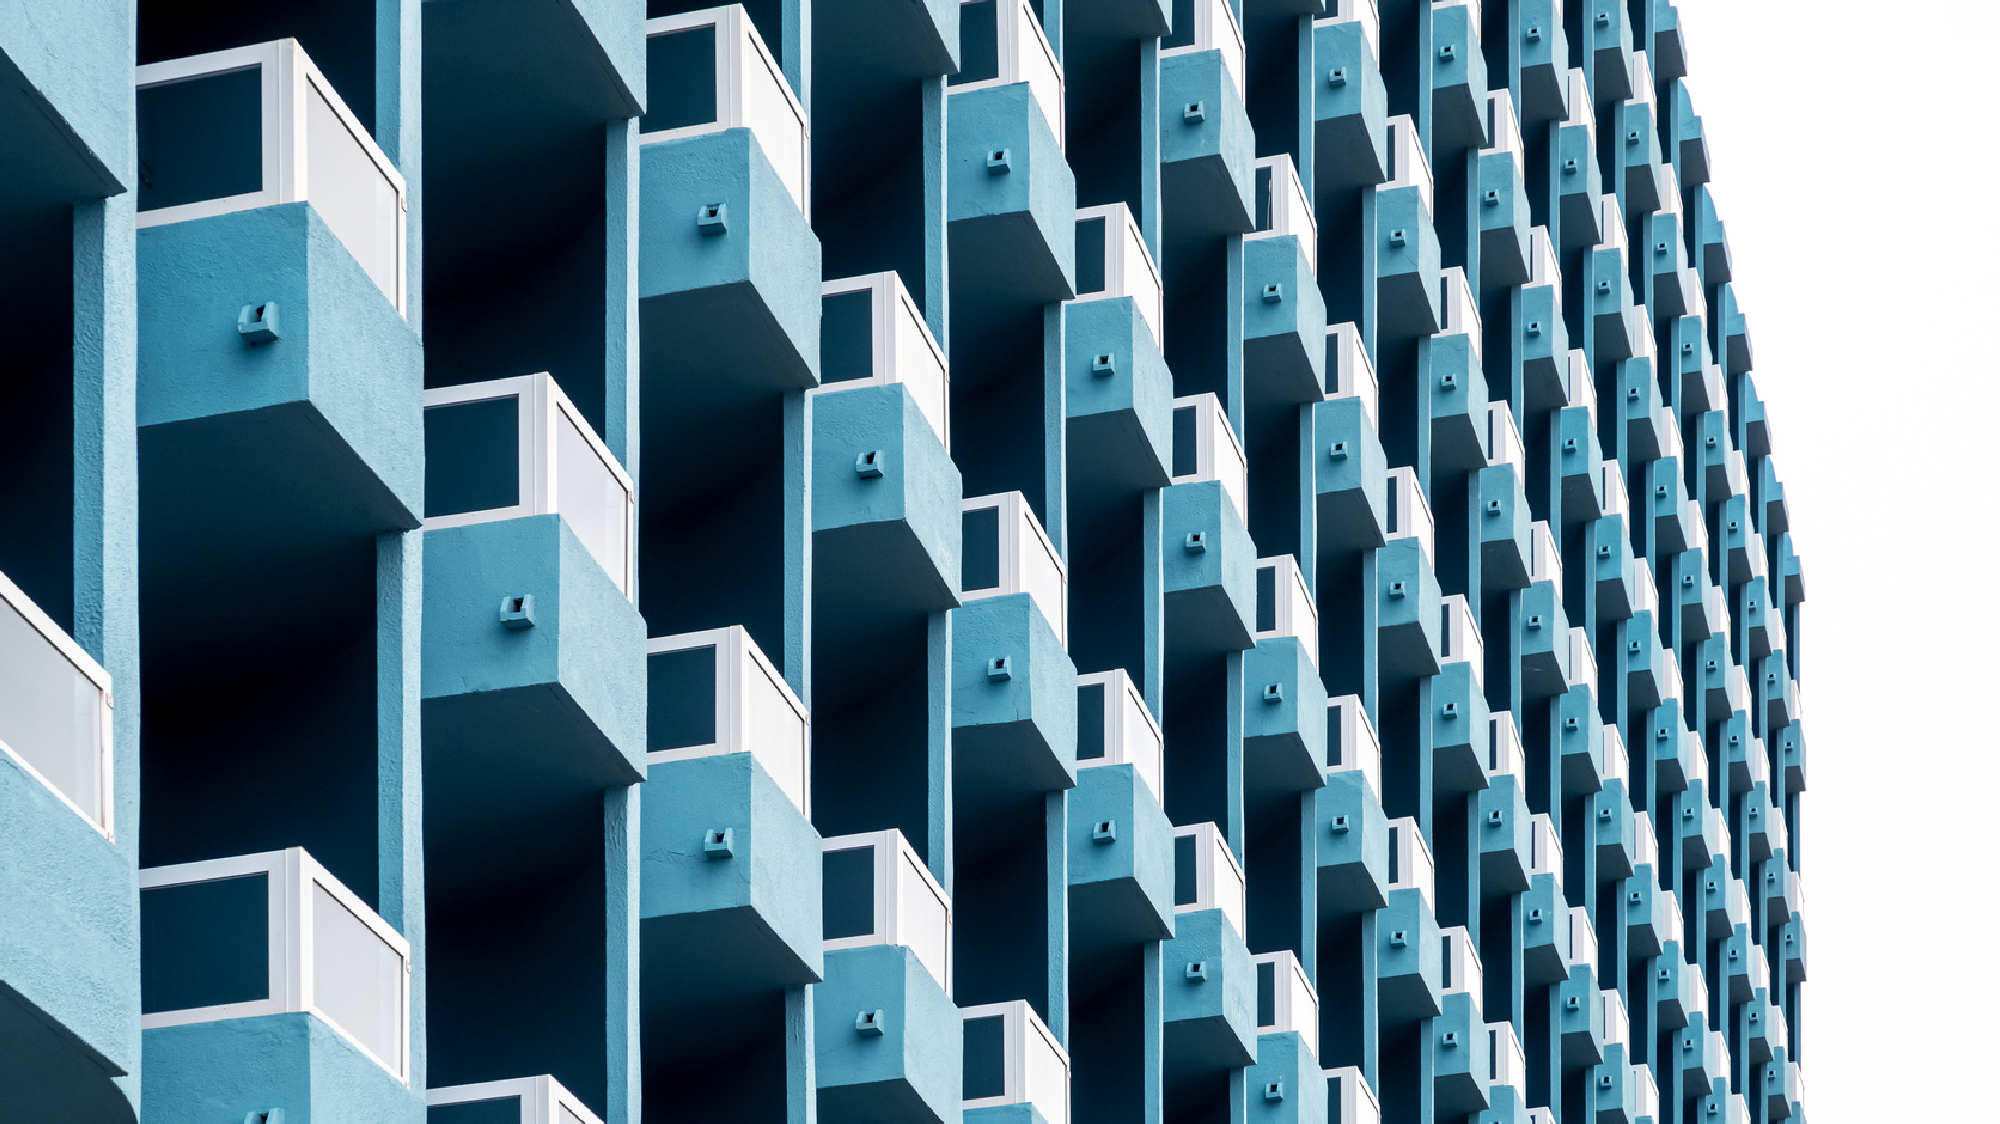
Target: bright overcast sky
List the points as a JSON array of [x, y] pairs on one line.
[[1852, 162]]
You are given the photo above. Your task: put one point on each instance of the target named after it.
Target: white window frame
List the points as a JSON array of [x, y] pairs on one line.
[[1416, 868], [1216, 29], [1144, 749], [737, 660], [1293, 611], [1543, 268], [1211, 892], [1353, 372], [1291, 210], [290, 876], [1545, 850], [287, 78], [66, 647], [1582, 939], [542, 407], [1459, 312], [1581, 387], [888, 299], [542, 1098], [1020, 1029], [1019, 39], [1357, 730], [1294, 1000], [1218, 453], [1545, 560], [1503, 126], [737, 44], [1021, 536], [1582, 664], [1507, 1062], [1125, 245], [891, 848]]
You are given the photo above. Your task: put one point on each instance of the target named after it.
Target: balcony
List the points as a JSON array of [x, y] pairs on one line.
[[1544, 61], [1013, 698], [1408, 608], [1544, 342], [1506, 539], [1460, 730], [268, 935], [1545, 947], [888, 1043], [259, 126], [723, 77], [1121, 851], [1351, 742], [1284, 738], [1352, 475], [1005, 551], [1284, 314], [1407, 255], [1545, 637], [1112, 263], [1353, 846], [1408, 965], [1207, 147], [536, 1100], [1118, 392], [1114, 726], [1465, 1066], [1350, 1099], [1011, 1058], [1207, 875], [1205, 448], [872, 334], [1283, 210], [1458, 76], [1001, 45], [1350, 101], [1578, 186], [1287, 1003], [1211, 985], [1504, 211], [1505, 833], [55, 709], [876, 891], [516, 447], [714, 692]]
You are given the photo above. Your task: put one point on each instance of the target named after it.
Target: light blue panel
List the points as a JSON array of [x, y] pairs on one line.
[[1407, 262], [1505, 849], [1505, 530], [1580, 741], [1211, 1020], [1457, 399], [1284, 1061], [1578, 457], [1121, 888], [1458, 79], [1121, 419], [1350, 109], [1409, 958], [1544, 641], [1284, 330], [1284, 736], [1459, 729], [1353, 844], [295, 1062], [1017, 732], [1579, 1018], [913, 1070], [909, 515], [1206, 157], [579, 673], [1021, 222], [77, 59], [1504, 218], [1408, 609], [1211, 591], [1545, 933], [753, 916], [344, 356], [1351, 477]]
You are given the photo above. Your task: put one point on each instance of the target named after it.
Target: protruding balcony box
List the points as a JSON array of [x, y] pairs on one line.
[[1283, 208], [724, 236], [1580, 736], [1350, 100], [1578, 187], [1725, 905], [1284, 315], [1792, 948], [1459, 721], [1013, 700], [1004, 551], [712, 693], [1504, 216], [1350, 1099], [1763, 826], [1679, 993], [1408, 964], [517, 1100], [729, 883], [1612, 566], [886, 501], [1408, 609], [1012, 1059], [876, 891], [1762, 626], [1118, 394], [888, 1043], [1792, 756], [55, 711], [289, 138], [1544, 61], [1776, 1083], [1406, 253], [1458, 76], [1206, 448], [1121, 848], [1692, 591], [1284, 699], [1580, 1011], [1545, 638], [1579, 459], [1544, 334], [1651, 675], [1287, 1003], [1700, 828], [1457, 398], [1003, 44], [1286, 1084], [1702, 1054], [1211, 1000], [1742, 753], [1638, 147], [1113, 263], [1505, 835], [1353, 839], [709, 71], [871, 334], [1351, 477], [1011, 194], [1674, 748], [1641, 409], [517, 447], [1210, 569], [1545, 948], [1609, 299], [1463, 1055], [1506, 544], [1613, 824], [1667, 500], [269, 956], [1614, 1090], [1207, 147]]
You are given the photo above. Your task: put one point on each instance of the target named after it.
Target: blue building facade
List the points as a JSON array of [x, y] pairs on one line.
[[1006, 561]]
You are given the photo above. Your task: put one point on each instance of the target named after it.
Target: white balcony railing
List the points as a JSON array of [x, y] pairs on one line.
[[1460, 960], [1024, 55], [1545, 850], [1408, 166], [1645, 595], [1645, 844], [1283, 209], [1205, 448], [1350, 370], [753, 710], [1285, 606], [1582, 938], [1352, 742], [1544, 559], [1612, 479], [272, 933], [259, 126], [1350, 1099], [1016, 554], [1617, 763], [1410, 865], [1503, 440], [1503, 746], [1112, 254], [1507, 1063], [517, 447], [1647, 1094], [1543, 269], [1409, 510], [1283, 990], [1215, 29], [55, 708], [1581, 386], [1363, 13], [1582, 665], [749, 92], [1218, 878], [879, 892], [1458, 637], [1459, 311], [541, 1100], [901, 348], [1012, 1058], [1130, 735], [1617, 1026]]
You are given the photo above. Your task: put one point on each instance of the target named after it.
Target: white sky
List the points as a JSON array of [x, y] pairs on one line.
[[1853, 163]]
